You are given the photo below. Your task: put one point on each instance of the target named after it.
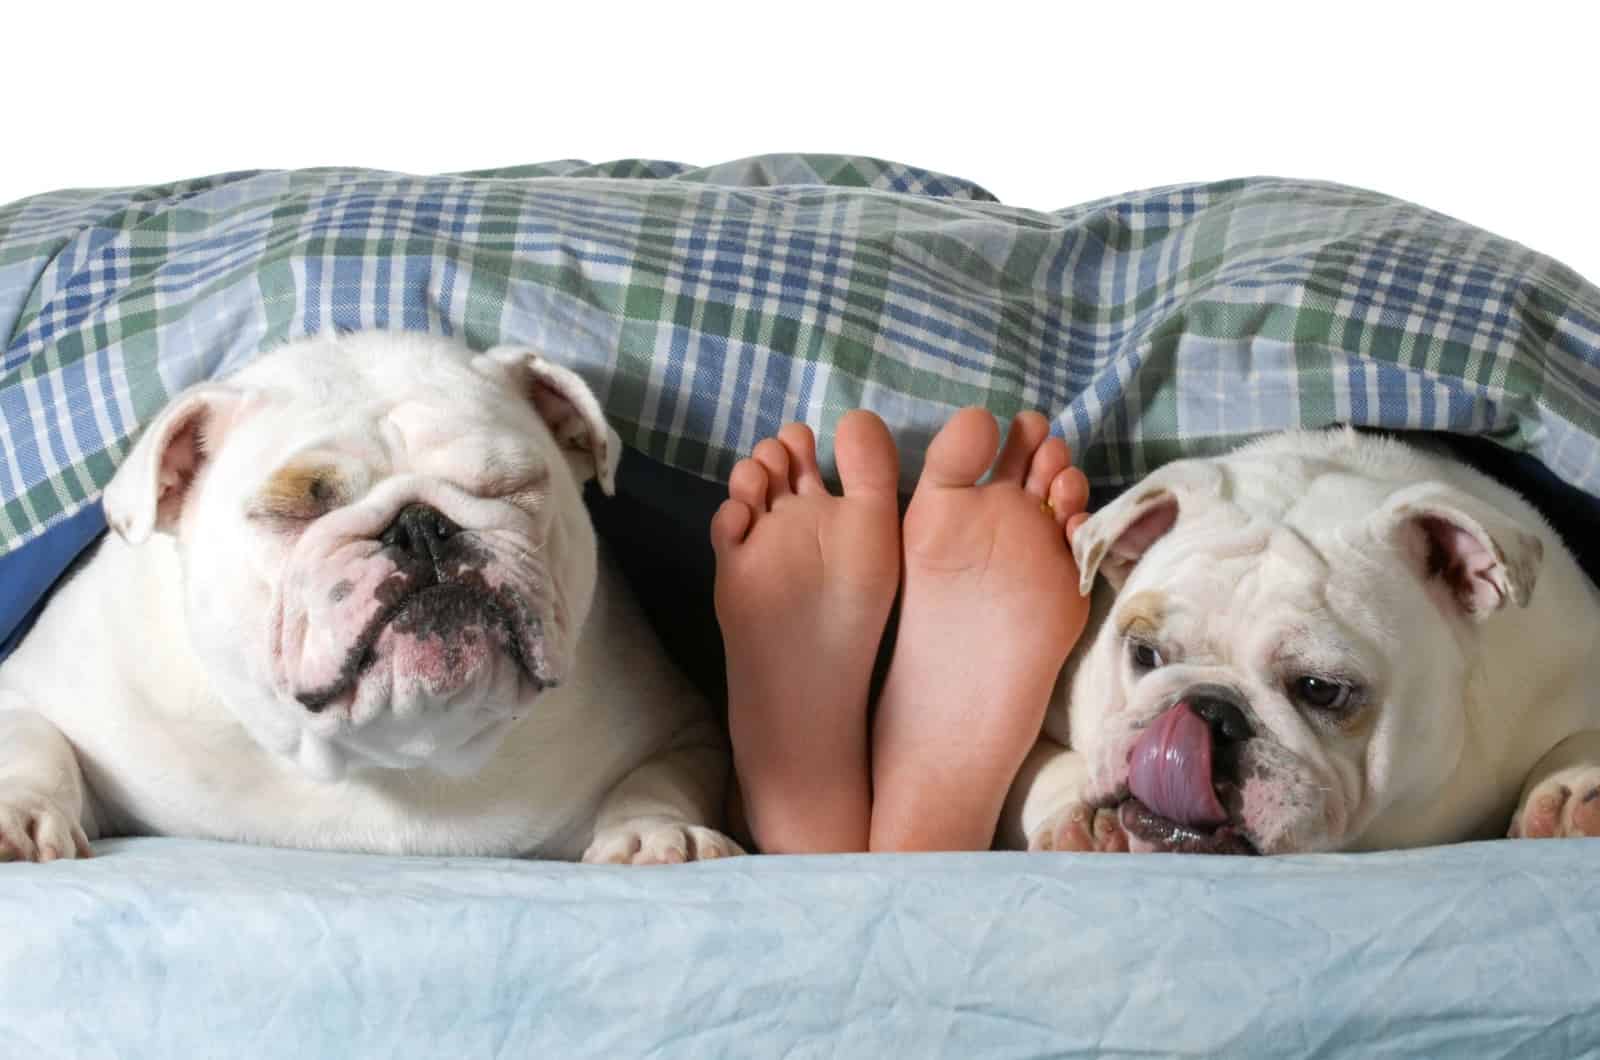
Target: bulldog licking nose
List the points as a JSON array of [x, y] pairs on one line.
[[1321, 641], [353, 601]]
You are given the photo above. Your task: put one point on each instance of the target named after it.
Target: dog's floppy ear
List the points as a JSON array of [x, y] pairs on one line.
[[1113, 539], [156, 480], [1482, 557], [571, 410]]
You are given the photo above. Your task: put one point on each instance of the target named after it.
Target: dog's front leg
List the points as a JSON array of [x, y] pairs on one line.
[[663, 812], [1046, 810], [1562, 795], [42, 798]]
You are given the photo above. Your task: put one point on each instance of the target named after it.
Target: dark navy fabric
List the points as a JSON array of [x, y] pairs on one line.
[[27, 573]]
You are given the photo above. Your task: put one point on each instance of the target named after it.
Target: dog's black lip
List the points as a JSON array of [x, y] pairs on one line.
[[1226, 838], [360, 657]]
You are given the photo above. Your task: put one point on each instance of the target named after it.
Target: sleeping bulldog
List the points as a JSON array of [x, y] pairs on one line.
[[353, 601], [1322, 641]]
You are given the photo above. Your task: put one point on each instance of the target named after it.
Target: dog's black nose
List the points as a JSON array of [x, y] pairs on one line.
[[1223, 710], [419, 530]]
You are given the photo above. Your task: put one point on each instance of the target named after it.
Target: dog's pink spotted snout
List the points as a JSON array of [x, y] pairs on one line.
[[1170, 769]]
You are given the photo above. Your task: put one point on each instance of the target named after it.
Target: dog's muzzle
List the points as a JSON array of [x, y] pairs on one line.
[[1181, 769], [437, 589]]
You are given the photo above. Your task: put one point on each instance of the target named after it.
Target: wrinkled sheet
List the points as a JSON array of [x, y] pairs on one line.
[[168, 948]]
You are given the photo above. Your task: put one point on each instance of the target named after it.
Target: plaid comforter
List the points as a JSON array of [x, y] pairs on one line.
[[709, 306]]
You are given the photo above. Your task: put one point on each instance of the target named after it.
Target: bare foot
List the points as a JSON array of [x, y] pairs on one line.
[[805, 581], [989, 610]]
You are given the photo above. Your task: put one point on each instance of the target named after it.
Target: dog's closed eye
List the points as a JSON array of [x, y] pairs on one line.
[[525, 489], [299, 493]]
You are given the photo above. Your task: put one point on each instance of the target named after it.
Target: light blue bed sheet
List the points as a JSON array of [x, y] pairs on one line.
[[169, 948]]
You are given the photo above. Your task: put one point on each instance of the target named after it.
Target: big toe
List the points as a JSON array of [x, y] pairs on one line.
[[866, 456], [962, 450]]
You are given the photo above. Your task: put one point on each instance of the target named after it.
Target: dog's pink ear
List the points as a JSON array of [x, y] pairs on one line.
[[1112, 541], [153, 484], [1481, 557], [570, 409]]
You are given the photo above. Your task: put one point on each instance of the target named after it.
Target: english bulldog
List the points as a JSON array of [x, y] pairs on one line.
[[1321, 641], [352, 600]]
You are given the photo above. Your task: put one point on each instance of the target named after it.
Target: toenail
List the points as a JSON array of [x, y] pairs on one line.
[[1047, 506]]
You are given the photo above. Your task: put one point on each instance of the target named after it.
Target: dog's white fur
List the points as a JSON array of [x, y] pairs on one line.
[[1470, 630], [160, 692]]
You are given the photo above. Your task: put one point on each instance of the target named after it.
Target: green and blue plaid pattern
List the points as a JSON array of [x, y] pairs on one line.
[[709, 306]]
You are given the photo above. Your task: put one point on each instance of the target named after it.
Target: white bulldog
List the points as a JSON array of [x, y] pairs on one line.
[[1321, 641], [354, 602]]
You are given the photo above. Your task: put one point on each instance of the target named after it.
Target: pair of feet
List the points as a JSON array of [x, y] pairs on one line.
[[989, 610]]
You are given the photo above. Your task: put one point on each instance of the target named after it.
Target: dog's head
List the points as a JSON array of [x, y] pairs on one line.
[[385, 553], [1287, 659]]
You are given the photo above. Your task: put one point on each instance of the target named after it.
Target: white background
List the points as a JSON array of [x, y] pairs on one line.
[[1490, 114]]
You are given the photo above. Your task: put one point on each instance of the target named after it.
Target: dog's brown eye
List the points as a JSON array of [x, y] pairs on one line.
[[1144, 656], [1319, 693]]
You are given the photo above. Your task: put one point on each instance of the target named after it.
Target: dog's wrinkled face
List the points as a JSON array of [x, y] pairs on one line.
[[385, 551], [1288, 637]]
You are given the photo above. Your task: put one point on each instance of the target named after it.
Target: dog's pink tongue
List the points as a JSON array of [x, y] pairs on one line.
[[1170, 769]]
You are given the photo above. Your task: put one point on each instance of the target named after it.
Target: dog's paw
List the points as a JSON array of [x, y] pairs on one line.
[[34, 828], [1564, 804], [1081, 828], [658, 841]]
